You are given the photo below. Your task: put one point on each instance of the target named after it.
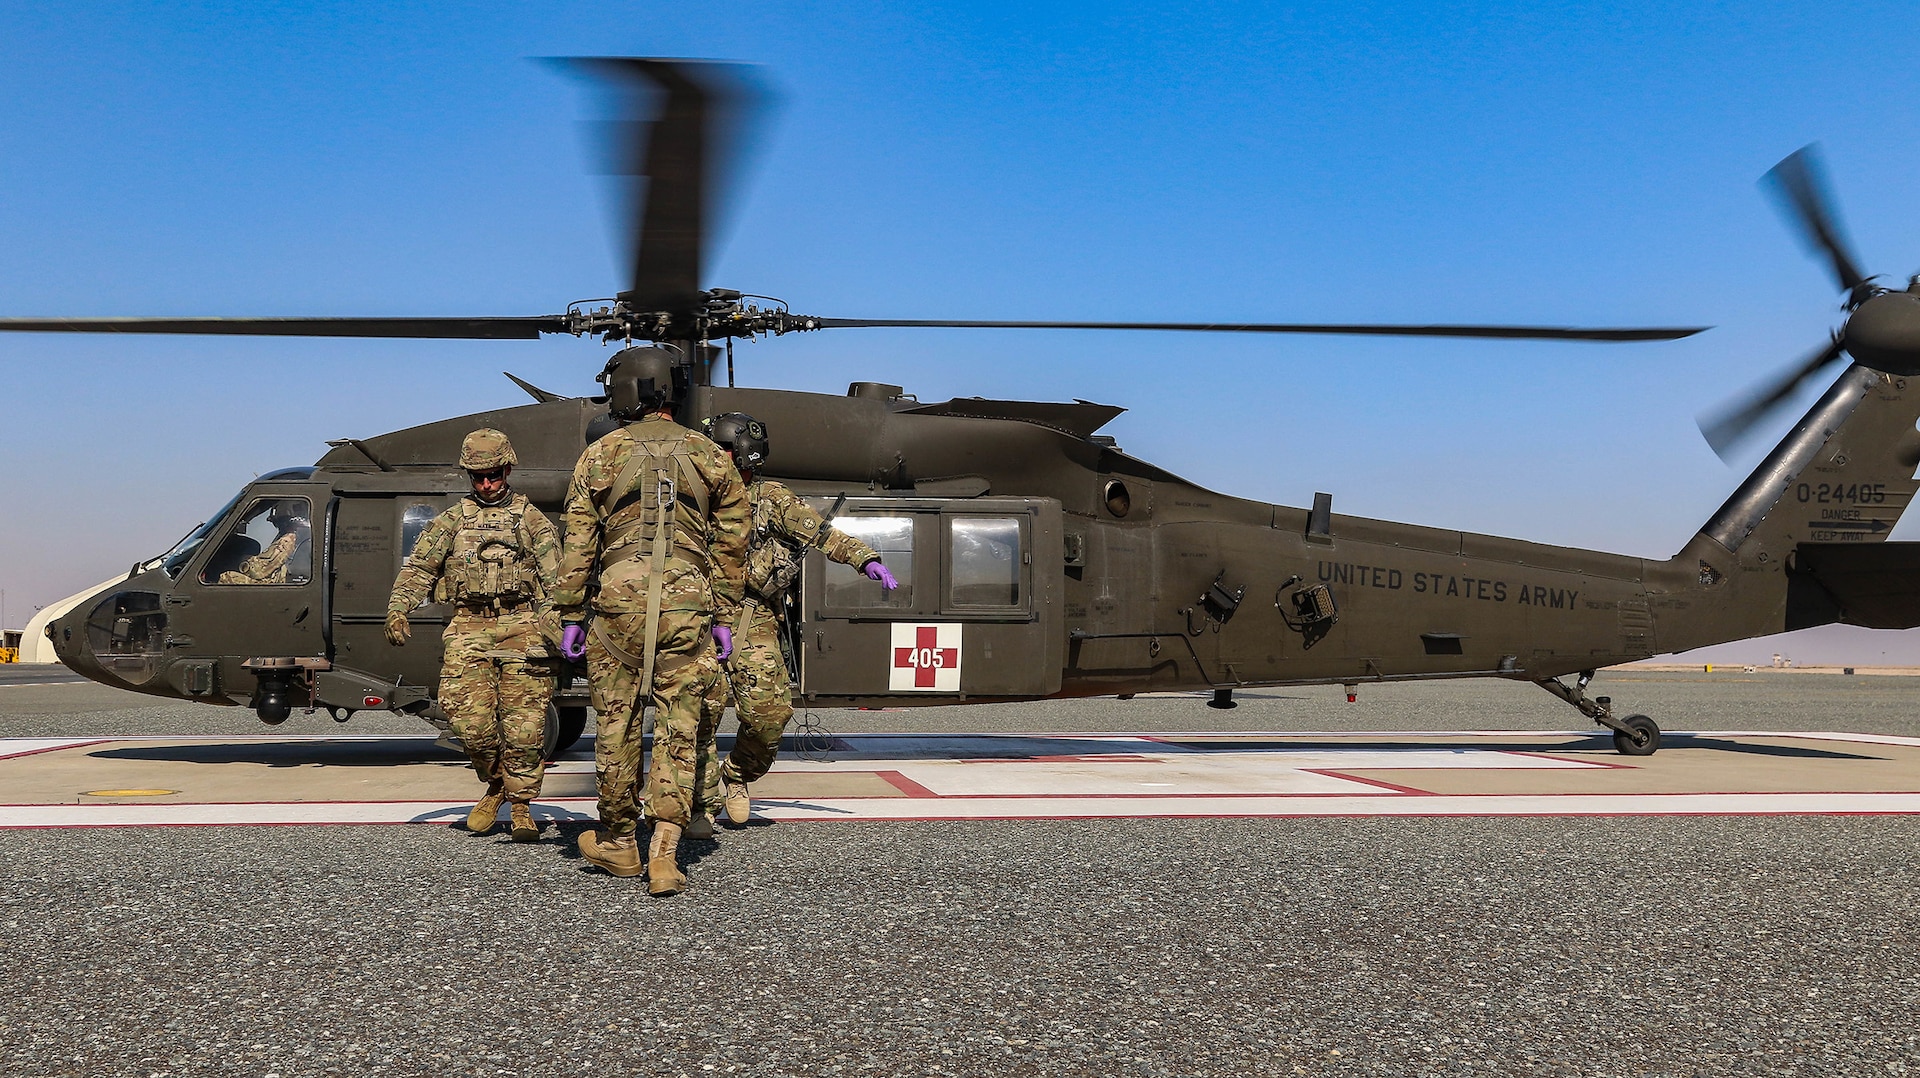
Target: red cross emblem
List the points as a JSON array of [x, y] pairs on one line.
[[926, 658]]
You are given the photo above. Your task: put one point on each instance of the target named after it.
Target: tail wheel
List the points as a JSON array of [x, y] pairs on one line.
[[1640, 738]]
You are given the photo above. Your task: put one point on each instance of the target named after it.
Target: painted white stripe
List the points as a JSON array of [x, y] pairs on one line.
[[1384, 805], [27, 746]]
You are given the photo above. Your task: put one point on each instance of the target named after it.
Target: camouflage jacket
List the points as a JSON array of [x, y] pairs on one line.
[[783, 526], [610, 533], [498, 556], [267, 567]]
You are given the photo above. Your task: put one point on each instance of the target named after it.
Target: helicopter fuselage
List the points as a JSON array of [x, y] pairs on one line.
[[1036, 560]]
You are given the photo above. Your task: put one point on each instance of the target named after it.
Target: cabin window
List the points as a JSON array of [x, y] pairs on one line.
[[892, 539], [271, 543], [413, 522], [986, 561]]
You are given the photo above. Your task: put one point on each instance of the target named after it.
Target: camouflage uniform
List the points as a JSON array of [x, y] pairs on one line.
[[762, 692], [496, 564], [610, 539], [267, 567]]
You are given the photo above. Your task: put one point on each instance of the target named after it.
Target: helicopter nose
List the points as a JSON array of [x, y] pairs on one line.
[[68, 634], [117, 639], [1884, 333]]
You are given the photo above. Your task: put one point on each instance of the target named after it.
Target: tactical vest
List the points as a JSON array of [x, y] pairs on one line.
[[772, 564], [489, 563], [657, 480]]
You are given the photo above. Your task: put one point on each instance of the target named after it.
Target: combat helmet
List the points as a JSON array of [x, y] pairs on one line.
[[486, 449], [639, 380], [743, 435]]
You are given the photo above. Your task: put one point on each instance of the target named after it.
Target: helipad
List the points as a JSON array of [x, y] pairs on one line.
[[136, 781]]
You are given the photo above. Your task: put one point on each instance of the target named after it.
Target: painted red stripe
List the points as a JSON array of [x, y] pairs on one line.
[[900, 782]]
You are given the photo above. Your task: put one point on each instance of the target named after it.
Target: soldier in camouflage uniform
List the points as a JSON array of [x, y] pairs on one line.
[[783, 527], [494, 557], [270, 565], [656, 549]]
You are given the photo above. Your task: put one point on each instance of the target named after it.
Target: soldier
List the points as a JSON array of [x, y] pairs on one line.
[[657, 523], [494, 557], [783, 526], [289, 518]]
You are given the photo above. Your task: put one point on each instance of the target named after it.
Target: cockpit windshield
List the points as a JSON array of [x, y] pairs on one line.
[[176, 559], [173, 561]]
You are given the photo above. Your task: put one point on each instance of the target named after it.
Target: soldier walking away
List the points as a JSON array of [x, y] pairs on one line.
[[655, 556], [494, 557], [783, 527]]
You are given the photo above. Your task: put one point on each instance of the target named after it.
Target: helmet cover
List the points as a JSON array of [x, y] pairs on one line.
[[486, 449]]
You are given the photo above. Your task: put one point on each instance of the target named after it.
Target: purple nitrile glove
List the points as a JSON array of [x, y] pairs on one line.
[[877, 571], [723, 636], [573, 642]]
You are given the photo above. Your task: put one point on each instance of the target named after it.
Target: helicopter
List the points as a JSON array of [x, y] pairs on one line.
[[1036, 559]]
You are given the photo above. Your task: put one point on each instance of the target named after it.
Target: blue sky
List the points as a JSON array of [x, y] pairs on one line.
[[1557, 164]]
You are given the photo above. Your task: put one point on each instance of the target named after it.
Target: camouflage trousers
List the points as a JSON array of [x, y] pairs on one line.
[[682, 679], [756, 681], [496, 694]]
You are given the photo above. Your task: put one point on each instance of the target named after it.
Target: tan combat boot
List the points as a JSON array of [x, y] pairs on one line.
[[738, 805], [700, 828], [525, 829], [486, 811], [618, 856], [663, 861]]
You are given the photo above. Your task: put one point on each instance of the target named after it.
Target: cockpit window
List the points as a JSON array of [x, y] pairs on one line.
[[176, 559], [271, 543]]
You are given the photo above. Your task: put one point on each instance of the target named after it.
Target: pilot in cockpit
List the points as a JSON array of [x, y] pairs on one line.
[[287, 559]]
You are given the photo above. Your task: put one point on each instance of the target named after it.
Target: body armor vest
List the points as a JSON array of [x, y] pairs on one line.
[[490, 563]]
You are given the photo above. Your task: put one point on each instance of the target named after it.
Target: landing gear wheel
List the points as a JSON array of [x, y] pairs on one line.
[[573, 723], [1640, 738]]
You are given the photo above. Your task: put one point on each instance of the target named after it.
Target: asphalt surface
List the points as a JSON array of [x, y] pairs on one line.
[[1530, 946]]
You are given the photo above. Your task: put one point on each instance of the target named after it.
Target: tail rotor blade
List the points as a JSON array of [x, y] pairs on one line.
[[1727, 428], [1800, 182]]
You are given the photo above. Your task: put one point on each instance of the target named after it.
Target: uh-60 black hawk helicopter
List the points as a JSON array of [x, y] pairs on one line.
[[1035, 558]]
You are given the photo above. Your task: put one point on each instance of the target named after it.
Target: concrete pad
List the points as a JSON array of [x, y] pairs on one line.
[[144, 781]]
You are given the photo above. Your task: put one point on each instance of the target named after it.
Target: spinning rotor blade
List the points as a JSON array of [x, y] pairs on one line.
[[1726, 429], [477, 329], [1800, 182], [1536, 333], [677, 161]]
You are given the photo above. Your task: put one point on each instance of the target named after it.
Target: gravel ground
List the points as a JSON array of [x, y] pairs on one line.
[[1656, 946]]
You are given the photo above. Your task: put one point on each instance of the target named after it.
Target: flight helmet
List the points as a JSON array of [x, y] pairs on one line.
[[742, 435], [640, 380]]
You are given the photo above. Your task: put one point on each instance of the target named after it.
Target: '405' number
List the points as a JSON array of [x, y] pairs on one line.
[[1842, 493]]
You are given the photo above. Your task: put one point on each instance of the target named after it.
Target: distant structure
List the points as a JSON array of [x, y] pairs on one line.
[[34, 645]]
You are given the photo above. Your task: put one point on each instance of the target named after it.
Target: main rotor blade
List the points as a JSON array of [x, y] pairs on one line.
[[1800, 181], [1730, 425], [1538, 333], [679, 118], [479, 329]]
